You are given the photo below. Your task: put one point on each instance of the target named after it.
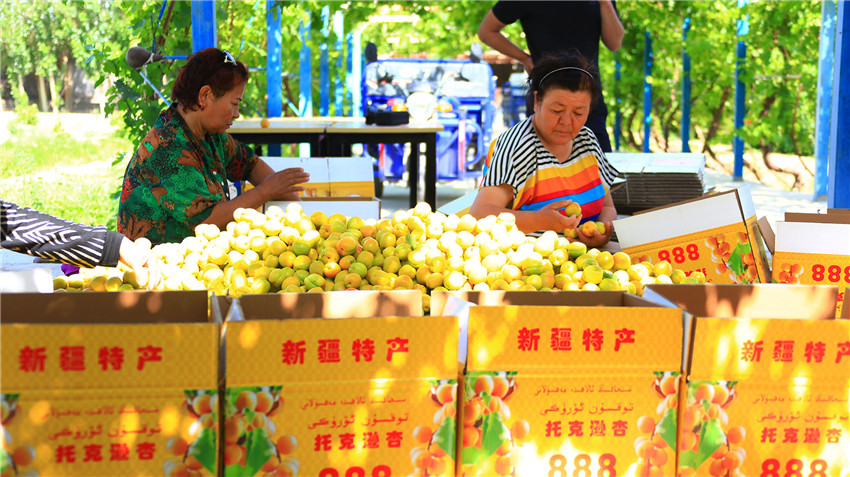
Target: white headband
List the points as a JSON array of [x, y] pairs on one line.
[[563, 69]]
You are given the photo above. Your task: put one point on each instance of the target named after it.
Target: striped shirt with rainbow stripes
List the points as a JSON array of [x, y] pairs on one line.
[[537, 178]]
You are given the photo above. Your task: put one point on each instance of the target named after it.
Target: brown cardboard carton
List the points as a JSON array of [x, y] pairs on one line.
[[114, 384], [715, 235], [767, 381], [767, 234], [553, 390], [360, 394]]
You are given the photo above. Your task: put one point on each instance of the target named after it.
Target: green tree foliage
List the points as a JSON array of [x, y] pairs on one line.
[[780, 71], [44, 37], [780, 74]]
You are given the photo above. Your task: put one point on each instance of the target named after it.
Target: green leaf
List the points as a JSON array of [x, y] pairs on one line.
[[6, 460], [666, 427], [234, 470], [711, 438], [494, 433], [444, 438], [258, 449], [735, 263], [203, 449]]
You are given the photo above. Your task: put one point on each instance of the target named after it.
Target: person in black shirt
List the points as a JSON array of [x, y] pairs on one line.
[[553, 27]]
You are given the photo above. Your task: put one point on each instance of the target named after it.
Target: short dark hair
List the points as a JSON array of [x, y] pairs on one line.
[[578, 74], [210, 67]]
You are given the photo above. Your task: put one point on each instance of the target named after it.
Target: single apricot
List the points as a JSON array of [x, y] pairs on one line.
[[646, 424], [286, 444], [483, 384], [519, 430], [246, 400], [735, 435], [422, 434]]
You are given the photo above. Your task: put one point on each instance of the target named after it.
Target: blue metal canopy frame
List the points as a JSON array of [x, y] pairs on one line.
[[838, 183], [837, 170]]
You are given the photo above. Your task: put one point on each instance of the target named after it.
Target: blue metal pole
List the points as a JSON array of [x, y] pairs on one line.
[[826, 58], [618, 115], [647, 89], [305, 80], [838, 192], [740, 105], [203, 25], [353, 73], [274, 70], [324, 73], [686, 88], [339, 94], [740, 96]]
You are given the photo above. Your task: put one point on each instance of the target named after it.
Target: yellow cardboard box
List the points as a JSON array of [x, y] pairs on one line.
[[768, 381], [339, 397], [814, 249], [331, 176], [571, 390], [715, 235], [117, 384]]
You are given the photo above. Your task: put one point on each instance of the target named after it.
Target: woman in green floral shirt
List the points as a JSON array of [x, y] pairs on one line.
[[178, 176]]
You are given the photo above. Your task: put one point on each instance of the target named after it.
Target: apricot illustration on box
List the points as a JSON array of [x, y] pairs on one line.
[[489, 436], [196, 457], [788, 273], [734, 256], [14, 460], [656, 445], [707, 439], [252, 443], [433, 454]]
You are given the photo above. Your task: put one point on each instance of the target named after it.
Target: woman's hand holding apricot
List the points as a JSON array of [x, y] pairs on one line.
[[595, 238]]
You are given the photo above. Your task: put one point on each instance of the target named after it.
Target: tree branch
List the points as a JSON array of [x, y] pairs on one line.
[[794, 133]]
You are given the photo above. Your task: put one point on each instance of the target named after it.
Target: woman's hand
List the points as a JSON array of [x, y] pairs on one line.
[[551, 218], [283, 185], [142, 261], [596, 239]]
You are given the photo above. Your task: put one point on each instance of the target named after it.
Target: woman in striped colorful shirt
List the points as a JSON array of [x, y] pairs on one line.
[[35, 233], [550, 159]]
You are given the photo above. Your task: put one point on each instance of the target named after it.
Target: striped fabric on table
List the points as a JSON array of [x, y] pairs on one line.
[[578, 180]]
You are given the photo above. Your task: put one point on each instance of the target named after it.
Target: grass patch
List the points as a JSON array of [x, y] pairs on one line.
[[32, 150], [57, 174], [81, 198]]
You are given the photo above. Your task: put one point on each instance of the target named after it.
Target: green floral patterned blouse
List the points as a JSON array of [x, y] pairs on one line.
[[173, 180]]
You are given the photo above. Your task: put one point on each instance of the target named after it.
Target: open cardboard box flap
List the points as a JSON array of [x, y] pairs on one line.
[[749, 301], [835, 216], [688, 201], [538, 298], [767, 234], [130, 307], [348, 304]]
